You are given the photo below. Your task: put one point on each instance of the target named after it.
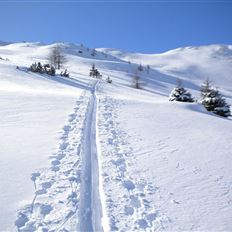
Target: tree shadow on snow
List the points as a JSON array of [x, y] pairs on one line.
[[201, 109]]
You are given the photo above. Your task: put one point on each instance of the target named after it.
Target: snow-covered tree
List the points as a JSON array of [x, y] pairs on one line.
[[57, 57], [51, 71], [213, 101], [39, 68], [179, 93]]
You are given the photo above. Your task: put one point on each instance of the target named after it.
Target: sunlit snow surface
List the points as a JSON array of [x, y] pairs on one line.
[[163, 166]]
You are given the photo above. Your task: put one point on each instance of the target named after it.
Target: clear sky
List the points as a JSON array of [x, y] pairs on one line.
[[142, 26]]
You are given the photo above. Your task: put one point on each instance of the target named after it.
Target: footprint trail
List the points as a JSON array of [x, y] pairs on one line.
[[57, 188], [128, 200]]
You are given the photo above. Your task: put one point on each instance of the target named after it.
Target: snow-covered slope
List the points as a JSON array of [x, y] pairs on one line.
[[33, 111], [159, 166], [171, 163], [193, 64]]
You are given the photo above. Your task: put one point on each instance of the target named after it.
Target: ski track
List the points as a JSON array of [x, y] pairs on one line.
[[128, 198], [90, 213], [57, 189]]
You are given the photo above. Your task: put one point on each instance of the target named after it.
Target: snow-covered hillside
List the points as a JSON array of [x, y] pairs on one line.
[[79, 154], [192, 64]]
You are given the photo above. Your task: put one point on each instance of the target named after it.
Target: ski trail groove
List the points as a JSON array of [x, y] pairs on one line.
[[90, 213]]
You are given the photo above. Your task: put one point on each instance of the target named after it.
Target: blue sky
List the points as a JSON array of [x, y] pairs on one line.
[[142, 26]]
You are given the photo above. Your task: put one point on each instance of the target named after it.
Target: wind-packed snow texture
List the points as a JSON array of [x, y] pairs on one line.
[[81, 154]]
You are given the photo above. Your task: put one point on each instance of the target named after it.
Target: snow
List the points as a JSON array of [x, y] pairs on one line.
[[182, 152], [191, 64], [128, 157], [33, 111]]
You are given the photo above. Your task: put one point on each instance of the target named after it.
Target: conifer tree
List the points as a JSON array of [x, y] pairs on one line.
[[94, 72], [179, 93], [213, 100]]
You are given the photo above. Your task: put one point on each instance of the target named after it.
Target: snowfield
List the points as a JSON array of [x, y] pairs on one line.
[[79, 154]]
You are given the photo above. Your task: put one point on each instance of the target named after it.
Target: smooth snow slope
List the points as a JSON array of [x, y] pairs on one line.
[[170, 162]]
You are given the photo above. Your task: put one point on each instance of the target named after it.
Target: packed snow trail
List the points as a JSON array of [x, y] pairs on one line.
[[90, 213]]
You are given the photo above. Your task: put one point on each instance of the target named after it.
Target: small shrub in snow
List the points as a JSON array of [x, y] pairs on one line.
[[51, 71], [5, 59], [179, 93], [65, 73], [213, 101], [108, 80]]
